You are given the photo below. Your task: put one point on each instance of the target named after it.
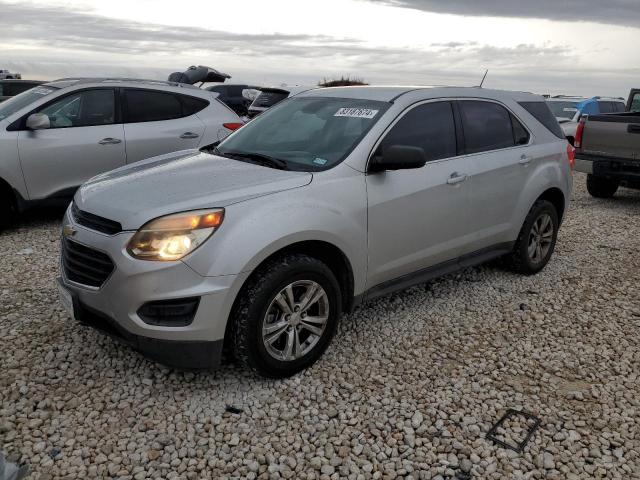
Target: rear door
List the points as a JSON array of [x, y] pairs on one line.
[[159, 122], [85, 138], [499, 156], [418, 218]]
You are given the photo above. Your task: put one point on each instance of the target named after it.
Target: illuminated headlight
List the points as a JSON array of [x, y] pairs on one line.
[[174, 236]]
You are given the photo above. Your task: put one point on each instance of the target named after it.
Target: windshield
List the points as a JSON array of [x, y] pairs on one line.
[[22, 100], [563, 109], [308, 133]]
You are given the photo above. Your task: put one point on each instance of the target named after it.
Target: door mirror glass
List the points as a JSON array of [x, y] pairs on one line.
[[398, 157], [38, 121]]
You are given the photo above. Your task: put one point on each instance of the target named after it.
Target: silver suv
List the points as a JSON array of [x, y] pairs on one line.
[[331, 198], [58, 135]]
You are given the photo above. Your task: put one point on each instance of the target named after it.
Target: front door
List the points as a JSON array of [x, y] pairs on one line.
[[418, 218], [82, 142]]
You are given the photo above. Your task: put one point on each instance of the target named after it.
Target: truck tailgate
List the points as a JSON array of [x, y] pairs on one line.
[[616, 136]]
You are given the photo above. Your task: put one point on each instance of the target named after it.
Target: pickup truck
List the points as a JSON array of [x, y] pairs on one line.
[[608, 149], [7, 75]]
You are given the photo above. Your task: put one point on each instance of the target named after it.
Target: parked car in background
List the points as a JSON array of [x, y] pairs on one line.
[[270, 96], [233, 96], [333, 197], [56, 136], [608, 149], [7, 75], [11, 88], [569, 109]]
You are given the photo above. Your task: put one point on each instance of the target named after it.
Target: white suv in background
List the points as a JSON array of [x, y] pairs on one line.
[[56, 136]]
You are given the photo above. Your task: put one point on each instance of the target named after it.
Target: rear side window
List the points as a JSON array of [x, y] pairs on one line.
[[486, 125], [541, 112], [150, 106], [430, 126], [618, 107], [605, 107], [192, 105]]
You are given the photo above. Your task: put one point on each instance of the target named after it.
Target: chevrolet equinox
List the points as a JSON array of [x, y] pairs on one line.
[[332, 197]]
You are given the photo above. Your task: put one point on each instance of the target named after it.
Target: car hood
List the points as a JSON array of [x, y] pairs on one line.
[[178, 182]]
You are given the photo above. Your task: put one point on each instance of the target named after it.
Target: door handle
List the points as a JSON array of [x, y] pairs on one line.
[[109, 141], [456, 177], [524, 159], [189, 135], [633, 129]]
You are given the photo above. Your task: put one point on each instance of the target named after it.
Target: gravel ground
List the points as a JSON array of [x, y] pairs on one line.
[[409, 388]]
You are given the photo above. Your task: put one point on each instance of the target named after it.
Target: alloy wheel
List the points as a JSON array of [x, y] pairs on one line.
[[295, 320], [540, 238]]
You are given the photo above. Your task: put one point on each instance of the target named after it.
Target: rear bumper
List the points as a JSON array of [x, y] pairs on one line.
[[619, 169]]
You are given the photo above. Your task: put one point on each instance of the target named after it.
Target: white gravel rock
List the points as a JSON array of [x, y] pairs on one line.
[[408, 389]]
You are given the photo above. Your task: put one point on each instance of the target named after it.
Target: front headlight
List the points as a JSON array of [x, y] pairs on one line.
[[174, 236]]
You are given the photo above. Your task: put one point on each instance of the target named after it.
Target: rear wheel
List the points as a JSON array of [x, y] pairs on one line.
[[600, 187], [537, 239], [286, 316]]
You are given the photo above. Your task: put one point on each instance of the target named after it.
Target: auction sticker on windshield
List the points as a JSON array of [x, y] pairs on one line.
[[356, 112]]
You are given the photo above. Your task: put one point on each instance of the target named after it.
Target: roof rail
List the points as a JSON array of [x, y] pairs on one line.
[[122, 79]]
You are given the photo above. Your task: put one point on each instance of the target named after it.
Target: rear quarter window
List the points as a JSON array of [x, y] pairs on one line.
[[192, 105], [541, 112]]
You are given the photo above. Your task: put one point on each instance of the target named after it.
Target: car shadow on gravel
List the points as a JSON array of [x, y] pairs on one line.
[[36, 217]]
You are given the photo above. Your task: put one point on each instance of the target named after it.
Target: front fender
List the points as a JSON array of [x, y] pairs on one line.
[[331, 209]]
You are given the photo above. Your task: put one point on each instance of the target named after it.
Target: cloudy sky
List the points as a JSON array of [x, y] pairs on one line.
[[585, 47]]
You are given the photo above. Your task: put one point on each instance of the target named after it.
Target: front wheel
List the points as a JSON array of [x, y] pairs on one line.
[[537, 239], [600, 187], [286, 316]]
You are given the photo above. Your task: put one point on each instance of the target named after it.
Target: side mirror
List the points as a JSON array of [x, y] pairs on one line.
[[398, 157], [38, 121]]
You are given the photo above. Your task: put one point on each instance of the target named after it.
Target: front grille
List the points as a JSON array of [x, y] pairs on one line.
[[85, 265], [95, 222]]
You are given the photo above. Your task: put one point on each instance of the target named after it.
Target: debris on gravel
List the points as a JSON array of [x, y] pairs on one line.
[[408, 389]]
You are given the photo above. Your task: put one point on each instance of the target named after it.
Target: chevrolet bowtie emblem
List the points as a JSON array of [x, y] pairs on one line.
[[68, 231]]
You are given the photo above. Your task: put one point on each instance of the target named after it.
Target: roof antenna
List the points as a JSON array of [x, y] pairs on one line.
[[484, 76]]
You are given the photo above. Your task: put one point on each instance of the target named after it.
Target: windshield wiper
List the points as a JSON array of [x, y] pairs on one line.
[[259, 158]]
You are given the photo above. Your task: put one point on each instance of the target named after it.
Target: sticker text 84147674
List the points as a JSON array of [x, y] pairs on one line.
[[356, 112]]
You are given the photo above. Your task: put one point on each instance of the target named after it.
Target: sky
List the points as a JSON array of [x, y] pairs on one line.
[[577, 47]]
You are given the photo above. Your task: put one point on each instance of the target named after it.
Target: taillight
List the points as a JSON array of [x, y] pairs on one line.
[[579, 131], [571, 156], [232, 126]]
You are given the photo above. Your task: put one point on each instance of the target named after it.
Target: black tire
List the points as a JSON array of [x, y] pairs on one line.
[[520, 259], [600, 187], [7, 208], [254, 302]]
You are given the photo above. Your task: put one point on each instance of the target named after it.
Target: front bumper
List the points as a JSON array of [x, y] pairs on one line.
[[112, 308]]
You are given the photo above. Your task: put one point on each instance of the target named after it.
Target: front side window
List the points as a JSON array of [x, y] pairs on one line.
[[430, 126], [151, 106], [635, 103], [307, 133], [486, 125], [82, 109]]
